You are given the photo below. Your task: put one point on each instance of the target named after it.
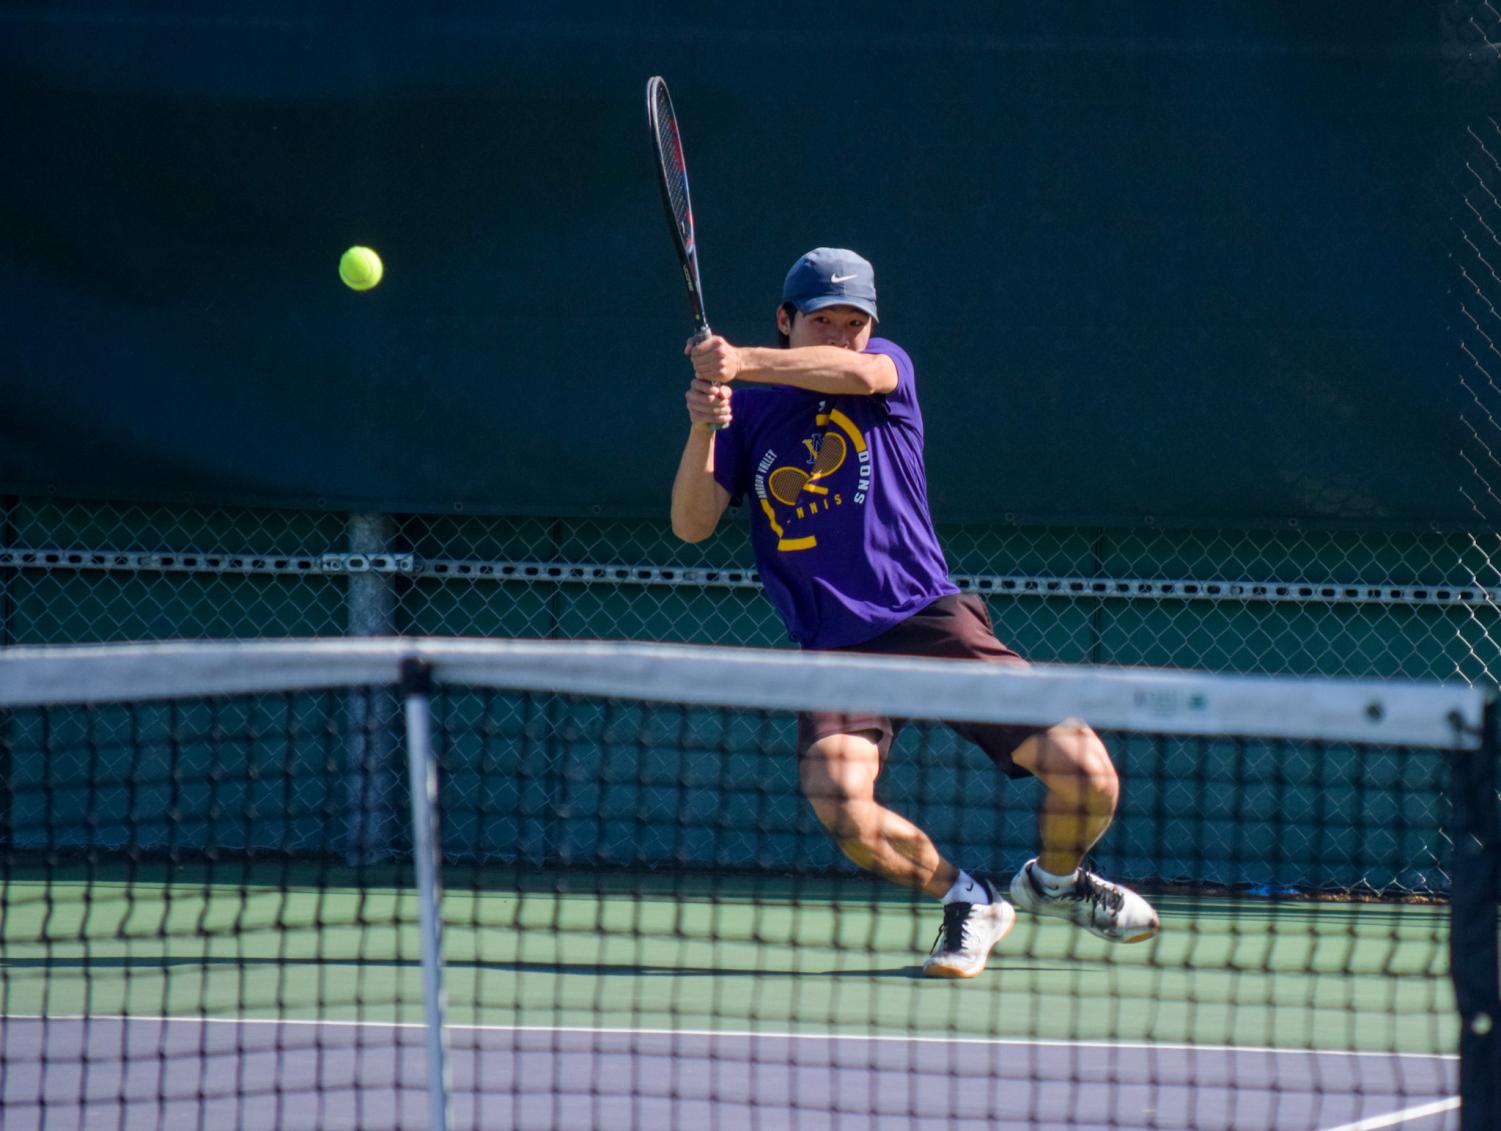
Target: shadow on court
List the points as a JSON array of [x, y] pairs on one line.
[[568, 969]]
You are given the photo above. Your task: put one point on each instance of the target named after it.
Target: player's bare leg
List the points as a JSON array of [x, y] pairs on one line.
[[838, 778], [1083, 790]]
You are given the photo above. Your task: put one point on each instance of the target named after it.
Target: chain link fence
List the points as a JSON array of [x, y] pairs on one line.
[[1290, 600], [1472, 46], [1286, 601]]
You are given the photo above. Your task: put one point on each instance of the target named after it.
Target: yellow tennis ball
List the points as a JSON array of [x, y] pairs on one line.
[[360, 268]]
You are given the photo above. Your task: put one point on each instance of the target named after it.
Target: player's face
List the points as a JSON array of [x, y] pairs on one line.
[[842, 326]]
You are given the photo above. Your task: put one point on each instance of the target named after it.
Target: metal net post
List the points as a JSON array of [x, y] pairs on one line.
[[1475, 961], [371, 763], [422, 768]]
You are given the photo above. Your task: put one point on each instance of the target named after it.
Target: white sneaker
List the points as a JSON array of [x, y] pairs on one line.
[[1109, 910], [969, 933]]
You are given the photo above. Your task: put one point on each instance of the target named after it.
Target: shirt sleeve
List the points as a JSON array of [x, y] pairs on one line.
[[901, 402]]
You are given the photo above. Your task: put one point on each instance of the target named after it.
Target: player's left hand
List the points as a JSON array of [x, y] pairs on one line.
[[709, 404], [714, 359]]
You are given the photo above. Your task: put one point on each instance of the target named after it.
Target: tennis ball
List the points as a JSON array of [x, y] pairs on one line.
[[360, 268]]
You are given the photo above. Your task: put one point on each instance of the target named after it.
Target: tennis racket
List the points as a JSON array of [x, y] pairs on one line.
[[672, 176]]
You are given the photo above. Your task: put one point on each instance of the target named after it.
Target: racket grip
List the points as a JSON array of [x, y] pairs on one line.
[[716, 427], [704, 332]]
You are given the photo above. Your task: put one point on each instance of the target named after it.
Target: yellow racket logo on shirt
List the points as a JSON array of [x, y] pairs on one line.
[[787, 484], [800, 487]]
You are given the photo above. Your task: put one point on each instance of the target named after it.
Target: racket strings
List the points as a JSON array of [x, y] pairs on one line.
[[674, 167]]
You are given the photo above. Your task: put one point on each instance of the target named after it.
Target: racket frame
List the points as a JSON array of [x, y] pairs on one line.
[[667, 149]]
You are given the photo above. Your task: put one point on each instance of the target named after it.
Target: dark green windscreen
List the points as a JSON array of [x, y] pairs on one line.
[[1177, 262]]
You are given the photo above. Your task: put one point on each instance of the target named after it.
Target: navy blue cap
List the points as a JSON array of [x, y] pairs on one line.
[[831, 276]]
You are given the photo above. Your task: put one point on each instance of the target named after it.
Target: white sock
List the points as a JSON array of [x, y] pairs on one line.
[[967, 889], [1051, 884]]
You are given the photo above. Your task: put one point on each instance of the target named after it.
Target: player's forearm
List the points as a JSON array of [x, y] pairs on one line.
[[822, 369], [697, 498]]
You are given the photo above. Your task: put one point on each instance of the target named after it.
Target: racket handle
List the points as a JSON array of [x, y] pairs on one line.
[[704, 332]]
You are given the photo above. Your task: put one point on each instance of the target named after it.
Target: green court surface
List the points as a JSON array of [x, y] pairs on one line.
[[736, 954]]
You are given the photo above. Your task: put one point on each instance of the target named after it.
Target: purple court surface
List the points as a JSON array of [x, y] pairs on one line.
[[152, 1074]]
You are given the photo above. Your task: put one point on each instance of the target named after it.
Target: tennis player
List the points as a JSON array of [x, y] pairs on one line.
[[826, 452]]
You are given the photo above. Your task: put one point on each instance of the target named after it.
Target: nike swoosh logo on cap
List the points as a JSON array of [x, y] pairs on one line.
[[842, 278]]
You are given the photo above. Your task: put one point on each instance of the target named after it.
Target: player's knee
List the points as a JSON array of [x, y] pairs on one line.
[[838, 813], [818, 785], [829, 811], [1099, 786], [837, 774], [1079, 766], [836, 807]]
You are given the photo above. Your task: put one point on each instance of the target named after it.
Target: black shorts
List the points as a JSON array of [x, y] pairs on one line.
[[952, 628]]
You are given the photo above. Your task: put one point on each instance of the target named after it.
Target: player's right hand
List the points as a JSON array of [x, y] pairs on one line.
[[708, 403], [714, 358]]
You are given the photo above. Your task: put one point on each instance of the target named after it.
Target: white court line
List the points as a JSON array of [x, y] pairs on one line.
[[764, 1034], [1398, 1117]]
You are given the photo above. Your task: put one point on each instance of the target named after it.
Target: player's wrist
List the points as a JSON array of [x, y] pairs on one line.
[[751, 364]]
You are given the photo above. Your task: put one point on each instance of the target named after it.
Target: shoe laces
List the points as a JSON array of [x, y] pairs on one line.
[[1090, 888], [951, 934]]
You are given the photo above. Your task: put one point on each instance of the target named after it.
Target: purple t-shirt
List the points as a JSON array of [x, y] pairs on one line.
[[837, 499]]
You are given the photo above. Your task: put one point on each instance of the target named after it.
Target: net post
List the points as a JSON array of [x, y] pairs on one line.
[[1475, 960], [422, 767], [371, 766], [372, 594], [7, 614]]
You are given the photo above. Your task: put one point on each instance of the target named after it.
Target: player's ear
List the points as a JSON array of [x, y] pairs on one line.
[[784, 317]]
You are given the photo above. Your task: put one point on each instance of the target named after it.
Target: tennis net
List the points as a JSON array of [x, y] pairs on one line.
[[461, 884]]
